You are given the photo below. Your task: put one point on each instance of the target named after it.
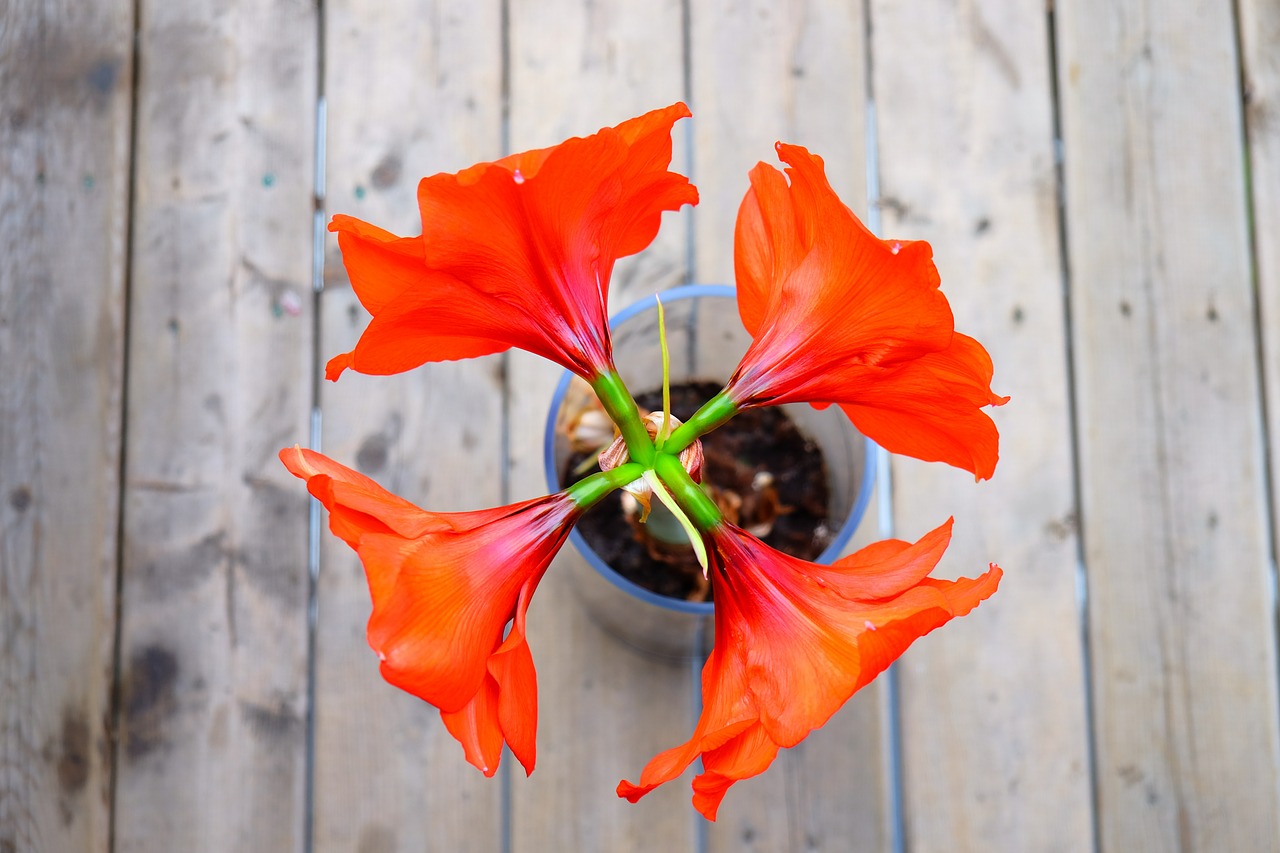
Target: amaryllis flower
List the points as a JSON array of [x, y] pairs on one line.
[[444, 587], [514, 253], [794, 640], [840, 316]]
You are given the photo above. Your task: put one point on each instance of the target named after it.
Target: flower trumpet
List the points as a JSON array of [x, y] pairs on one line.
[[794, 640], [839, 316], [514, 253], [444, 587]]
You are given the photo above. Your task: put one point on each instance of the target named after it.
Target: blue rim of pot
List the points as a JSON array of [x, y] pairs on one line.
[[700, 608]]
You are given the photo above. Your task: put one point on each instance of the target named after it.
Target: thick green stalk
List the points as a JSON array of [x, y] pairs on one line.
[[621, 409], [701, 509], [713, 413], [587, 491]]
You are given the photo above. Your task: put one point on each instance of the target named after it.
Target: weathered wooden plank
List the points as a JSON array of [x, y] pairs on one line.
[[1174, 521], [214, 595], [1259, 28], [64, 179], [964, 100], [410, 91], [764, 72], [605, 710]]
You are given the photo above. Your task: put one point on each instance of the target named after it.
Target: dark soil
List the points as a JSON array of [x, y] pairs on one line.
[[793, 506]]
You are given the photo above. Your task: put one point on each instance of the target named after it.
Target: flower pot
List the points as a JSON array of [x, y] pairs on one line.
[[705, 339]]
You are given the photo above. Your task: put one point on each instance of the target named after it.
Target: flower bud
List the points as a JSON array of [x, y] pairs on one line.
[[691, 457], [616, 454]]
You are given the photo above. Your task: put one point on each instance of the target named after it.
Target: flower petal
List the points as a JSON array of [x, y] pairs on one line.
[[476, 727], [748, 754], [515, 253], [766, 243], [511, 666], [840, 316], [391, 281], [444, 587], [505, 707], [453, 594], [930, 408], [357, 501], [794, 640]]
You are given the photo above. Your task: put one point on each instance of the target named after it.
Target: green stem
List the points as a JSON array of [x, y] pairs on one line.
[[713, 413], [621, 409], [700, 508], [587, 491]]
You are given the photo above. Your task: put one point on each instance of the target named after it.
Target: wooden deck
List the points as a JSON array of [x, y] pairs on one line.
[[1101, 185]]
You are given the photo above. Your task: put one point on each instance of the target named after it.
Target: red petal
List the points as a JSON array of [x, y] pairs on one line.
[[766, 243], [517, 252], [885, 569], [512, 667], [476, 727], [444, 586], [748, 754], [795, 640], [930, 408], [419, 315], [381, 265], [840, 316], [453, 594], [648, 187]]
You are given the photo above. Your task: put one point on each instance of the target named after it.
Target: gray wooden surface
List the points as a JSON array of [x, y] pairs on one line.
[[1101, 185], [64, 207]]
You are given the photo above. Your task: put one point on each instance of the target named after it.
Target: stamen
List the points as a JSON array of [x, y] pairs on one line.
[[695, 538], [665, 429]]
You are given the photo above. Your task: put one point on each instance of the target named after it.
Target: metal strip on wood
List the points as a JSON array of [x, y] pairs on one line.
[[410, 91], [994, 725], [1259, 27], [1175, 527], [214, 592], [764, 72]]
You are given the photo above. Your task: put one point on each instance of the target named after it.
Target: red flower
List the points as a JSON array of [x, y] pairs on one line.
[[795, 640], [840, 316], [514, 253], [444, 587]]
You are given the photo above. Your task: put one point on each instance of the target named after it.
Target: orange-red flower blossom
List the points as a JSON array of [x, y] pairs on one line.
[[794, 640], [514, 253], [444, 587], [841, 316]]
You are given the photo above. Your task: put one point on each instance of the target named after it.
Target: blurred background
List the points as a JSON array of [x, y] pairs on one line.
[[182, 659]]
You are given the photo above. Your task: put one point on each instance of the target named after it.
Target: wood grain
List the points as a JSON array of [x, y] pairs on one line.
[[214, 594], [1175, 528], [605, 710], [765, 72], [994, 727], [1144, 413], [795, 72], [411, 90], [64, 182]]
